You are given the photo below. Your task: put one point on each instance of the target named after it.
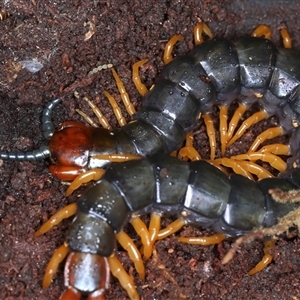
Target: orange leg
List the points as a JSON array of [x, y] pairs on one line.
[[266, 260], [116, 109], [141, 88], [58, 256], [188, 151], [125, 280], [127, 243], [277, 149], [94, 174], [235, 120], [268, 134], [255, 118], [265, 31], [90, 120], [154, 226], [286, 39], [117, 157], [204, 240], [169, 48], [141, 229], [236, 166], [244, 168], [256, 169], [262, 31], [199, 29], [64, 213], [223, 127], [124, 96], [171, 228], [274, 160], [189, 140], [101, 118], [153, 230], [211, 134]]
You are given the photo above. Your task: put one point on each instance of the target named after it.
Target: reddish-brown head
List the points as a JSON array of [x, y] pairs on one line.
[[69, 148], [86, 273]]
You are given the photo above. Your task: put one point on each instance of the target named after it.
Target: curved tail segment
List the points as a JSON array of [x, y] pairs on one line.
[[43, 151]]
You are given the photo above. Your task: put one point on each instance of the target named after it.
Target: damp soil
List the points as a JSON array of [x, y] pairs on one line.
[[68, 39]]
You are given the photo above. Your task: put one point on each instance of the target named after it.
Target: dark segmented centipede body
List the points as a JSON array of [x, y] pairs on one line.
[[164, 184]]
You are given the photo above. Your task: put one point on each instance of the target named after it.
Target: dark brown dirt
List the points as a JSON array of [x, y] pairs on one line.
[[52, 33]]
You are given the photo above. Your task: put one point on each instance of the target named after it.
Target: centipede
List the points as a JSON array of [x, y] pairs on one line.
[[214, 73]]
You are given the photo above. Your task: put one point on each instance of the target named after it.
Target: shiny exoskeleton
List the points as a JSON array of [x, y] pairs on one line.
[[170, 185], [165, 184], [213, 73]]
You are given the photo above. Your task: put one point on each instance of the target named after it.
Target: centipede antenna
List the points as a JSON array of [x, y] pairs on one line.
[[43, 151], [38, 154], [47, 124]]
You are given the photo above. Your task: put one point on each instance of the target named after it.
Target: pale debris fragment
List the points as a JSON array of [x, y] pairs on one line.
[[91, 32], [99, 68], [32, 66]]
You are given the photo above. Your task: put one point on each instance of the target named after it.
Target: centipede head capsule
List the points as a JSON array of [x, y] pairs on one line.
[[69, 147], [87, 274]]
